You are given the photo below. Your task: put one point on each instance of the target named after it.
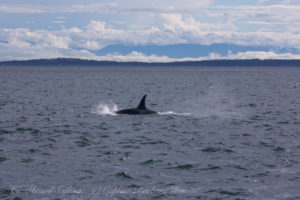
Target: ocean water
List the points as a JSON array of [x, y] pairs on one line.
[[221, 133]]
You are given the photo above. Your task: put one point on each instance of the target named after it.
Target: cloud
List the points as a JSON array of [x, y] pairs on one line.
[[171, 29], [245, 18], [37, 52], [267, 15], [91, 45], [117, 6], [272, 2], [22, 38], [37, 9], [58, 22], [177, 23], [137, 56], [188, 30], [105, 35], [273, 23], [262, 55], [161, 6]]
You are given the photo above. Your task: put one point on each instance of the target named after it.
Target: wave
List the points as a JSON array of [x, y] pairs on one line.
[[112, 108], [174, 113], [105, 109]]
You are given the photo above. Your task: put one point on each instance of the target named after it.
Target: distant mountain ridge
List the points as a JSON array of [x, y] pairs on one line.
[[216, 63], [187, 50]]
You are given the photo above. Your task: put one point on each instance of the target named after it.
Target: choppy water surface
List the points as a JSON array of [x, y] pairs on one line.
[[221, 133]]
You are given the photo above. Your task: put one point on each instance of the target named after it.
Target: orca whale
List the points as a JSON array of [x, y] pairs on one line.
[[139, 110]]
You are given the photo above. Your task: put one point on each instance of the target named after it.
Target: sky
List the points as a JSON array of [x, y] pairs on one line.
[[34, 29]]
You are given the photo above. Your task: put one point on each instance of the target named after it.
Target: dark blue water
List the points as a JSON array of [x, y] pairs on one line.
[[221, 133]]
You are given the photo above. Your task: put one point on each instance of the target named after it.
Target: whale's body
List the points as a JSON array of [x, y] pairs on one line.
[[139, 110]]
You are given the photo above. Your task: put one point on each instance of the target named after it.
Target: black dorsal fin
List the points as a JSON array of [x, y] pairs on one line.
[[142, 104]]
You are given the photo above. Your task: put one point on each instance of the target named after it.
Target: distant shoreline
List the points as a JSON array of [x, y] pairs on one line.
[[204, 63]]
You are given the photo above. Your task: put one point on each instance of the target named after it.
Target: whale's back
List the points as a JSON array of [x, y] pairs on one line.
[[139, 110]]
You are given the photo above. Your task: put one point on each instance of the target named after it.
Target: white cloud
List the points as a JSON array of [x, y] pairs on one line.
[[112, 7], [173, 28], [38, 52], [268, 15], [25, 38], [177, 23], [29, 8], [16, 8], [192, 31], [161, 22], [27, 52], [92, 45], [262, 55], [160, 6], [99, 31], [58, 22], [137, 56], [272, 2]]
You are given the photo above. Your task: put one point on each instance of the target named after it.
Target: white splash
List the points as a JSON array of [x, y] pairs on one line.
[[105, 109], [173, 113]]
